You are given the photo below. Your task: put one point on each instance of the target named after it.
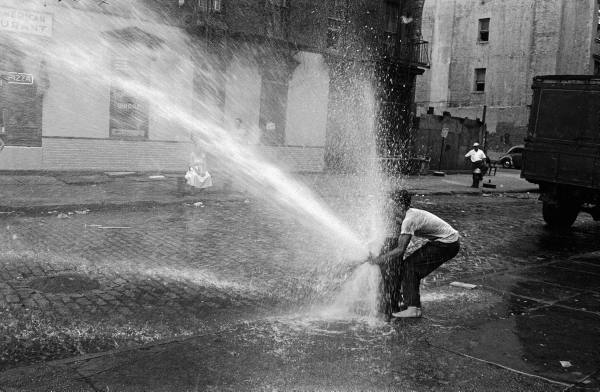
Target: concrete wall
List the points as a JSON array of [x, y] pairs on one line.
[[527, 38]]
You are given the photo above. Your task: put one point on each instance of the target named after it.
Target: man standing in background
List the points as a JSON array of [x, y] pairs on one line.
[[477, 157]]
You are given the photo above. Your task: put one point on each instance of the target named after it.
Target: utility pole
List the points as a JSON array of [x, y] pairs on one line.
[[484, 129]]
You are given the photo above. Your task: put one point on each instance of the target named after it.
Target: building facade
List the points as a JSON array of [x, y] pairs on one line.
[[486, 53], [103, 82], [332, 81], [81, 102]]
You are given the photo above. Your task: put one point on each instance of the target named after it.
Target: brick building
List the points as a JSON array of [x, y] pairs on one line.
[[486, 52], [313, 79], [325, 75]]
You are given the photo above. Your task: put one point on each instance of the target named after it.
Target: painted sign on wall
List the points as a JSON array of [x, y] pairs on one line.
[[25, 21], [16, 77]]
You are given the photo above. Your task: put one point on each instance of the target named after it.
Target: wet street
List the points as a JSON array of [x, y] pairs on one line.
[[239, 296]]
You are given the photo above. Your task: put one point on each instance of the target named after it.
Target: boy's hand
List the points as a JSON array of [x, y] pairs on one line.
[[373, 260]]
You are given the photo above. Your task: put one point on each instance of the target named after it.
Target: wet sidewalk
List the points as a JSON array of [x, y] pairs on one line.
[[44, 191]]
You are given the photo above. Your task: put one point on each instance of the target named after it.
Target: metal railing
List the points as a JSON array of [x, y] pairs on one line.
[[412, 52]]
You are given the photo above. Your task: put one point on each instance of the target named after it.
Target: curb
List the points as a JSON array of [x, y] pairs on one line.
[[103, 206]]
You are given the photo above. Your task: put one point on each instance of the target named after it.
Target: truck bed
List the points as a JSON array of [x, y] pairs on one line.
[[563, 143]]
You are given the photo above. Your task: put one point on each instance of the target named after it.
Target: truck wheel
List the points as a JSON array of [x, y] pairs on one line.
[[560, 216], [506, 163]]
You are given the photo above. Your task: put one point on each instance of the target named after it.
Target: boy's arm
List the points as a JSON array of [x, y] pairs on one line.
[[403, 242]]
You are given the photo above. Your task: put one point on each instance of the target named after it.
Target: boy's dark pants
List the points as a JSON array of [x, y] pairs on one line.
[[415, 267]]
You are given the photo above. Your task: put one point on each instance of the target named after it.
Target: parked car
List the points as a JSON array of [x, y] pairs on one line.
[[513, 157]]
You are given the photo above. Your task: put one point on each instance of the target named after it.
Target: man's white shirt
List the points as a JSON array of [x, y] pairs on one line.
[[475, 155]]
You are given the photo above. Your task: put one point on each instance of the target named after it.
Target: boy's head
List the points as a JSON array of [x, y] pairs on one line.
[[401, 202]]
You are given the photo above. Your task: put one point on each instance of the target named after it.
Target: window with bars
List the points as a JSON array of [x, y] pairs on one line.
[[210, 5], [484, 30], [479, 79]]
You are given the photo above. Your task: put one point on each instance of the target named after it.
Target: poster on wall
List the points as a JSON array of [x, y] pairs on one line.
[[128, 111]]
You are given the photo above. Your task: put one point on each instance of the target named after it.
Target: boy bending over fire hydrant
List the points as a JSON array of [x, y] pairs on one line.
[[401, 277]]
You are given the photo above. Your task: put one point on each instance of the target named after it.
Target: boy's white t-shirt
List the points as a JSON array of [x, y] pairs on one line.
[[424, 224]]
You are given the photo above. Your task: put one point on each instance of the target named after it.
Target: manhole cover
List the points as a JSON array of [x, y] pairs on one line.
[[70, 283]]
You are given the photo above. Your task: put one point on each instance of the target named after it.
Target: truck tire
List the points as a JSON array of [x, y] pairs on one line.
[[560, 216]]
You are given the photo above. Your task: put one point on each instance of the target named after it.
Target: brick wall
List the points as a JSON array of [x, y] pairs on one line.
[[296, 159], [115, 155]]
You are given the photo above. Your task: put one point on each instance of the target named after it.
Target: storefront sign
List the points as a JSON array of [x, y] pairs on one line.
[[16, 77], [24, 21]]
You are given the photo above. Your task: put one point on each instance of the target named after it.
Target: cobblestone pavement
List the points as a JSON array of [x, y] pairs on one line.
[[100, 280]]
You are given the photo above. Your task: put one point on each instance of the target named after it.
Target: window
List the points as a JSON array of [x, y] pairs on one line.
[[392, 15], [337, 15], [338, 9], [479, 79], [596, 67], [484, 30], [334, 31], [276, 18], [210, 5], [598, 14]]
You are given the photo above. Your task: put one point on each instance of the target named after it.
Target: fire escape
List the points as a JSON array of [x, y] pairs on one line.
[[402, 56]]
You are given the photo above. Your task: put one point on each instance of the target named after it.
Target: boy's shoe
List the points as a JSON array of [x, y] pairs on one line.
[[410, 312]]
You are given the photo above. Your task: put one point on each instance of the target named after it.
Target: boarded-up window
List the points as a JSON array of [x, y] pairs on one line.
[[20, 99], [128, 110], [273, 106]]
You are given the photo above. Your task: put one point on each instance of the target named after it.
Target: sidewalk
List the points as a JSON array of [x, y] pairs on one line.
[[42, 191]]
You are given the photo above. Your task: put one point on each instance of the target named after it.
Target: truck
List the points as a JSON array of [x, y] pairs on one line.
[[562, 147]]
